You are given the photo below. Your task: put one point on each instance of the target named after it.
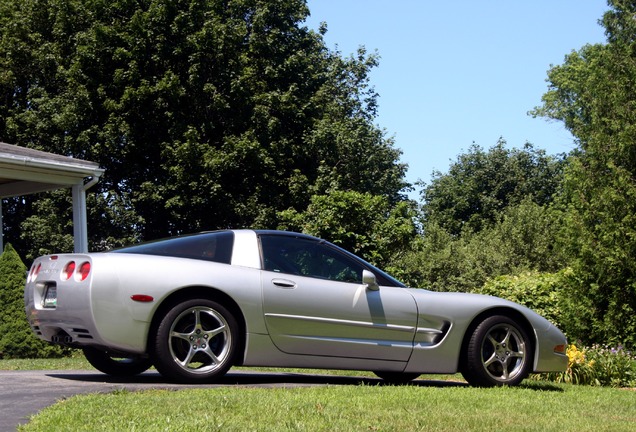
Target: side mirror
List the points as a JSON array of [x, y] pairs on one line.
[[370, 281]]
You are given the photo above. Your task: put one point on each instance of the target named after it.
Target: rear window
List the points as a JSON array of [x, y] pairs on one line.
[[213, 246]]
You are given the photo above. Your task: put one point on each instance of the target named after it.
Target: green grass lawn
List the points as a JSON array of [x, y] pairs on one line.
[[535, 405]]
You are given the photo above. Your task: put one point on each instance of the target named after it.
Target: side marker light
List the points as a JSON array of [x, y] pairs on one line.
[[559, 349], [142, 298]]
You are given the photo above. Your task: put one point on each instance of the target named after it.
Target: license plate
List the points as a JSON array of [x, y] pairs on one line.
[[50, 297]]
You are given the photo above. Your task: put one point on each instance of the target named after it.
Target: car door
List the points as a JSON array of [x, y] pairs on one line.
[[316, 304]]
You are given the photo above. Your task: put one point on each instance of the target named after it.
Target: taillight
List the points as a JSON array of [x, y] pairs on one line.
[[68, 270], [83, 271], [34, 272]]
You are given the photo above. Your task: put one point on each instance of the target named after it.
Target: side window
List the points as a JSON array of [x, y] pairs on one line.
[[214, 246], [308, 258]]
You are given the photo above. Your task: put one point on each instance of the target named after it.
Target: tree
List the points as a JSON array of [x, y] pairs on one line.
[[205, 114], [594, 93], [524, 238], [490, 215], [17, 340], [480, 185]]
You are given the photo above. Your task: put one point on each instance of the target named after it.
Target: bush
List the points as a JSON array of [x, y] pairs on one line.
[[17, 340], [598, 366], [522, 239], [614, 367], [586, 318], [551, 295], [540, 292]]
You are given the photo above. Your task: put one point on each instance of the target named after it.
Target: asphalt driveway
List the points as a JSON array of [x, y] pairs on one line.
[[24, 393]]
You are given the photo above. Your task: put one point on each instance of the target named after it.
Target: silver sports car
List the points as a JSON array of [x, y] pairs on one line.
[[193, 306]]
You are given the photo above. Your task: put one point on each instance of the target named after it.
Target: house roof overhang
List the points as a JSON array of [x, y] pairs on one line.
[[25, 171]]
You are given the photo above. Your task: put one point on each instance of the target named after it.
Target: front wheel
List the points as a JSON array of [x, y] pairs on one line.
[[196, 342], [499, 352], [116, 365]]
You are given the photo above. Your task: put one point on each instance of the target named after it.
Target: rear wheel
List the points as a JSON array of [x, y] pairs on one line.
[[196, 342], [499, 352], [116, 365]]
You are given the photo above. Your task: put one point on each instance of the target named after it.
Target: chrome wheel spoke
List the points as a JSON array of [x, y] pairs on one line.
[[491, 360], [207, 351], [504, 370], [492, 341], [186, 362], [217, 331], [506, 339], [178, 335]]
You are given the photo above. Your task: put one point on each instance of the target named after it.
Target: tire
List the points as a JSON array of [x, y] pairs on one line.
[[116, 365], [499, 352], [397, 377], [196, 342]]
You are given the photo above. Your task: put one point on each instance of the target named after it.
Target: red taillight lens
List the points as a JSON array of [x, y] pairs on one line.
[[83, 271], [34, 272], [68, 270]]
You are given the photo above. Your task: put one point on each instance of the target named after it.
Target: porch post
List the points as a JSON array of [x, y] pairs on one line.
[[80, 234]]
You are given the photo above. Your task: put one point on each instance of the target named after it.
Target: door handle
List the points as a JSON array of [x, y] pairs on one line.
[[284, 283]]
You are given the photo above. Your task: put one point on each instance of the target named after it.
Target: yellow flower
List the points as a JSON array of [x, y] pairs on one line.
[[575, 356]]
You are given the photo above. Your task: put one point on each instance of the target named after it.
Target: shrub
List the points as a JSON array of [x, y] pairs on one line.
[[597, 366], [540, 292], [586, 320], [17, 340], [613, 367]]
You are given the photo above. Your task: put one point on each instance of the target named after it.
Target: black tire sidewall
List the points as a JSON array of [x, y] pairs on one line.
[[105, 362]]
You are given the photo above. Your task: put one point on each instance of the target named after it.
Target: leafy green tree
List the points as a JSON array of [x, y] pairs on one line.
[[205, 114], [594, 93], [480, 185], [17, 340], [524, 238], [490, 215]]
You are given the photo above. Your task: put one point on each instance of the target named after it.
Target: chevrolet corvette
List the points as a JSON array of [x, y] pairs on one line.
[[194, 306]]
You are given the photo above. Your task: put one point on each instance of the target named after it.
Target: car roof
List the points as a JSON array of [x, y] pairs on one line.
[[284, 233]]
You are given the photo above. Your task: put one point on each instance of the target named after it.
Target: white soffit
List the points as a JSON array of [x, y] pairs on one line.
[[25, 171]]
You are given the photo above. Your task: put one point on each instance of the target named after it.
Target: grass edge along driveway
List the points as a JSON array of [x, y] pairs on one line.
[[535, 405]]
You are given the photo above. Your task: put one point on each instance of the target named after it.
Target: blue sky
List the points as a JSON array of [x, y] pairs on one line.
[[456, 72]]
